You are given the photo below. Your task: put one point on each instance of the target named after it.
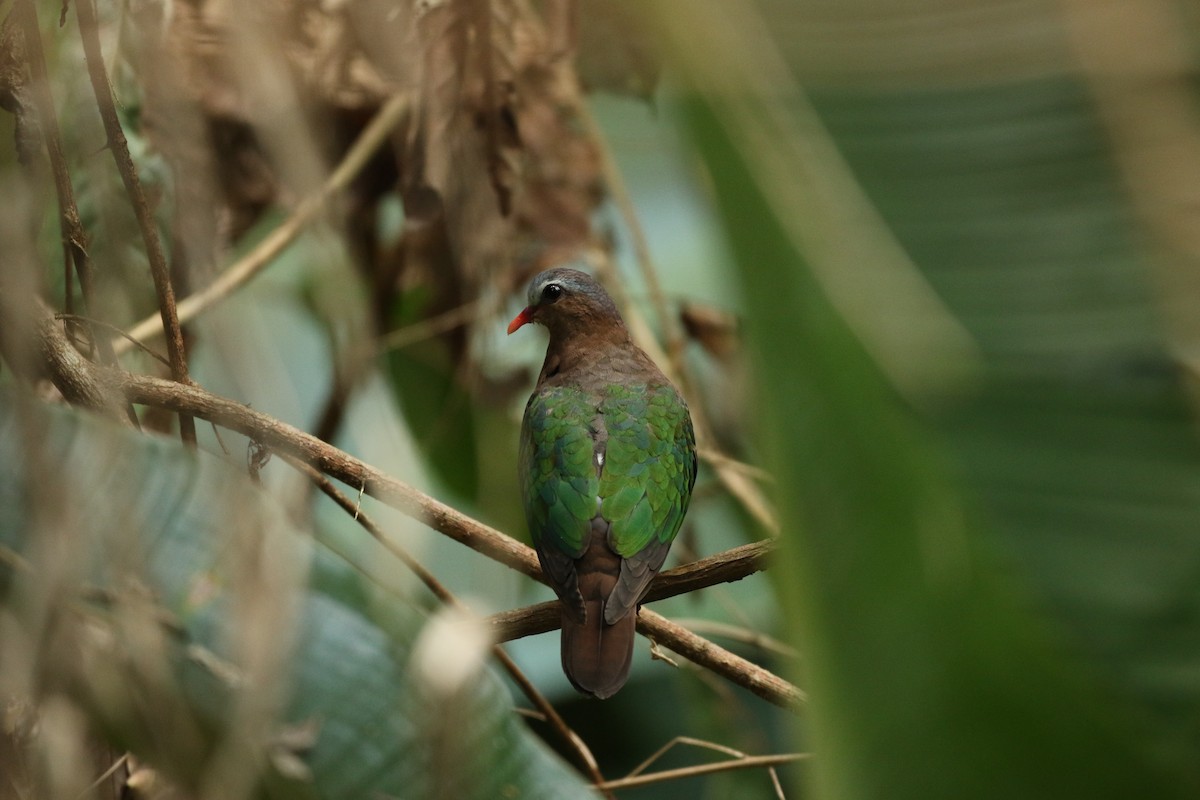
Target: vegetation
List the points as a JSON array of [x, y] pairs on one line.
[[259, 523]]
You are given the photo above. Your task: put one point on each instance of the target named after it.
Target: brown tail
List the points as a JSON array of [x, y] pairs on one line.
[[595, 655]]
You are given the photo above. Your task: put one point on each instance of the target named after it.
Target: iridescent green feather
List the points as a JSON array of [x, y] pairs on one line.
[[650, 465], [558, 474]]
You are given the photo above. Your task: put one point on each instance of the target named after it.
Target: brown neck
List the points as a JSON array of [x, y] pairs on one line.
[[584, 341]]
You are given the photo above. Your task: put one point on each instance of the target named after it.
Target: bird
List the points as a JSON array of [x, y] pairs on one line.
[[606, 464]]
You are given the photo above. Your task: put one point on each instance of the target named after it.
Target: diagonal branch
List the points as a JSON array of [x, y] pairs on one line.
[[336, 463], [437, 515]]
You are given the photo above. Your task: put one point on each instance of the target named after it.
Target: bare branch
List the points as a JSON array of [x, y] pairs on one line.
[[641, 247], [117, 332], [720, 748], [739, 634], [439, 516], [429, 327], [718, 458], [113, 769], [89, 31]]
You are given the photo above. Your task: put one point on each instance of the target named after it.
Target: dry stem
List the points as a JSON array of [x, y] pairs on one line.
[[89, 31], [746, 762], [74, 238], [768, 762]]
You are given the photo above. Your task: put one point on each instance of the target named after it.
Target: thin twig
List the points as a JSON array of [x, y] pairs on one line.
[[115, 330], [739, 634], [748, 762], [716, 457], [552, 717], [688, 740], [658, 654], [428, 328], [352, 369], [13, 559], [699, 650], [775, 784], [447, 597], [108, 773], [245, 268], [89, 32]]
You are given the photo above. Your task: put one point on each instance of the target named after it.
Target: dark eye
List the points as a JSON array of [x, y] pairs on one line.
[[551, 293]]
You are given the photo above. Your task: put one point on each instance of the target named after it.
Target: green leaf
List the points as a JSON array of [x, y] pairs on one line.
[[237, 643], [991, 597]]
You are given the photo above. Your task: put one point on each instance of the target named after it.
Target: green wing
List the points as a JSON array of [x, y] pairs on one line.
[[649, 472], [558, 480], [645, 484], [649, 466]]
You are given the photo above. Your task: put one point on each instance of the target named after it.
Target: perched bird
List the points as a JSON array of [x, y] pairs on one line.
[[607, 465]]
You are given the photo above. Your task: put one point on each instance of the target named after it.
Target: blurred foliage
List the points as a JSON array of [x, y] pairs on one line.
[[183, 563], [993, 580]]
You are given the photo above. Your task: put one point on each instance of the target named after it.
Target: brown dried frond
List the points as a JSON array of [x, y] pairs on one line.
[[497, 160], [496, 175]]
